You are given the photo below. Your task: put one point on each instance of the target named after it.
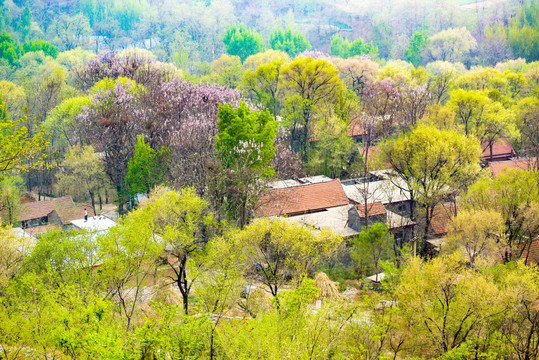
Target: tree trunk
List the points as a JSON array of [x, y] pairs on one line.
[[92, 199]]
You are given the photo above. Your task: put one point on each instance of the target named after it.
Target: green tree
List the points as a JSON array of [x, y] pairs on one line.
[[333, 149], [19, 148], [444, 304], [290, 41], [242, 42], [523, 33], [344, 48], [434, 164], [245, 147], [277, 250], [515, 195], [417, 45], [83, 175], [469, 106], [312, 83], [147, 168], [373, 245], [453, 44], [10, 197], [24, 25], [8, 49], [477, 233], [40, 45], [185, 225], [264, 84]]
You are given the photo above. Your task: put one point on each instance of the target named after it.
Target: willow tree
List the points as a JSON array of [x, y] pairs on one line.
[[311, 83], [434, 164]]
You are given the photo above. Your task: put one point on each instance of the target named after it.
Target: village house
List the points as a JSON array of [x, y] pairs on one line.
[[321, 202], [497, 167], [498, 150], [40, 216]]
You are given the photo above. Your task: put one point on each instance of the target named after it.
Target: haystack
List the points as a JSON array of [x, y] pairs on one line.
[[328, 288]]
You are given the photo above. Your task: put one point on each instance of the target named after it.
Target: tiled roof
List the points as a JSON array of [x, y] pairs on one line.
[[64, 207], [373, 209], [531, 254], [301, 199], [39, 209], [356, 128], [497, 167], [38, 230], [74, 212], [501, 149], [441, 218]]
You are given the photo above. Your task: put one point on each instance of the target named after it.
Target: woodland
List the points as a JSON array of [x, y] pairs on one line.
[[175, 115]]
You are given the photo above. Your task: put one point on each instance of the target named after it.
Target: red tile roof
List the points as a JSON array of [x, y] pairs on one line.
[[356, 128], [39, 209], [441, 218], [501, 149], [497, 167], [531, 254], [301, 199], [373, 209], [64, 207], [74, 212], [38, 230]]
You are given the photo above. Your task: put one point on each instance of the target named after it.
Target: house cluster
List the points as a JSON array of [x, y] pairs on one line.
[[346, 206], [342, 206], [38, 217]]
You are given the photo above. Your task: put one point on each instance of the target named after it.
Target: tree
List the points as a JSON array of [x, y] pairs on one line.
[[242, 42], [445, 304], [435, 165], [20, 149], [147, 168], [515, 195], [185, 225], [40, 45], [476, 232], [245, 147], [417, 45], [105, 124], [10, 198], [523, 32], [373, 245], [468, 106], [83, 174], [227, 70], [453, 44], [278, 250], [527, 111], [130, 253], [289, 41], [264, 84], [8, 49], [333, 149], [344, 48], [312, 82], [25, 23]]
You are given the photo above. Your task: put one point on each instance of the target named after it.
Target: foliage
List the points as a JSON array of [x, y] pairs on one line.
[[278, 250], [83, 175], [434, 164], [242, 42], [147, 168], [289, 41], [10, 197], [373, 245], [418, 43], [515, 195], [345, 48]]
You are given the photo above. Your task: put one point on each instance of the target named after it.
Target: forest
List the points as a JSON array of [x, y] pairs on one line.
[[237, 179]]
